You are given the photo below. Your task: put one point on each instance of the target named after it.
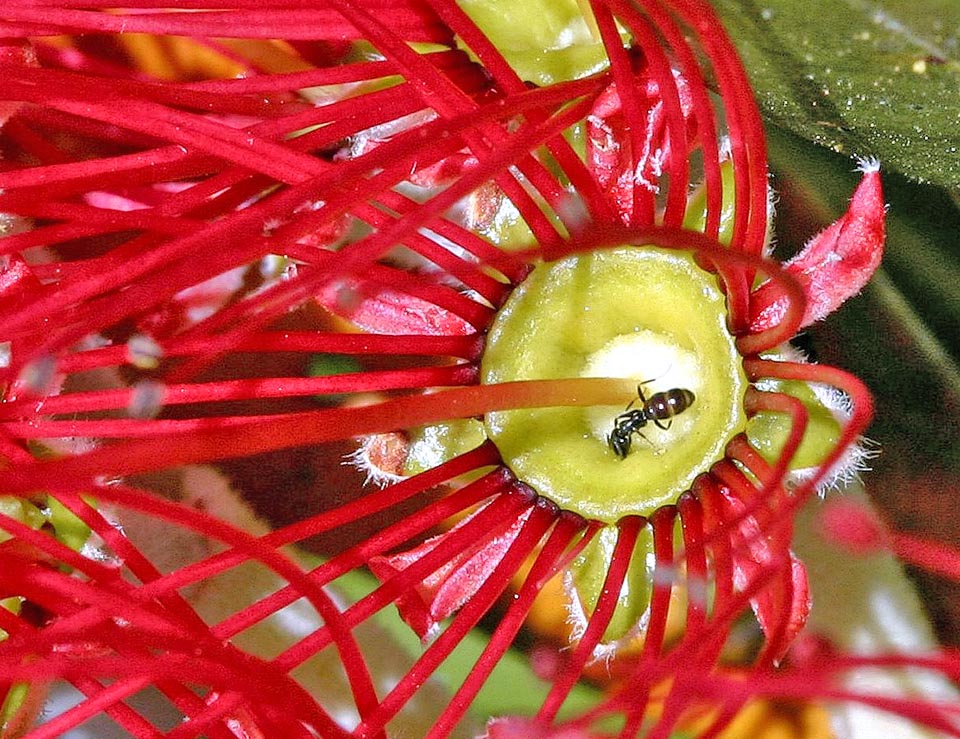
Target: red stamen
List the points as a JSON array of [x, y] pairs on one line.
[[548, 563], [573, 664]]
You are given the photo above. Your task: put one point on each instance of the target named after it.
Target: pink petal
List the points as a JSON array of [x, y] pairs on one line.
[[194, 304], [623, 175], [440, 594], [444, 172], [854, 526], [14, 52], [835, 264], [114, 201], [17, 282], [783, 604], [134, 197], [790, 594], [513, 727], [380, 310]]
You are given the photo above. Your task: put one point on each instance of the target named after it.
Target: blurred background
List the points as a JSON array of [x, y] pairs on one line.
[[901, 336]]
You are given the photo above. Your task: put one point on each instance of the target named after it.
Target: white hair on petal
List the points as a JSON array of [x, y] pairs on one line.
[[772, 198], [578, 620], [856, 457], [846, 470], [360, 459], [867, 164]]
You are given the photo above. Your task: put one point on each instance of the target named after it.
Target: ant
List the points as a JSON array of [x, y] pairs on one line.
[[657, 408]]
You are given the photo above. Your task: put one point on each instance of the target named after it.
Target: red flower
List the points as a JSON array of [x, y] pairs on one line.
[[371, 193]]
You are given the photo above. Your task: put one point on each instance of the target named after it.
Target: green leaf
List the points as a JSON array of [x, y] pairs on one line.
[[861, 78]]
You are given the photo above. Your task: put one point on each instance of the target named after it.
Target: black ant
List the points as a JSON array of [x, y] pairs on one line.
[[657, 408]]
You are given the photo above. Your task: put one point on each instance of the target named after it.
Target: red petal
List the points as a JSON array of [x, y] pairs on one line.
[[14, 52], [512, 727], [17, 282], [834, 265], [623, 175], [444, 172], [193, 304], [789, 594], [440, 594], [380, 310], [783, 604]]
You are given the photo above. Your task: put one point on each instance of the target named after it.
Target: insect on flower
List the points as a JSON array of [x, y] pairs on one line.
[[659, 407]]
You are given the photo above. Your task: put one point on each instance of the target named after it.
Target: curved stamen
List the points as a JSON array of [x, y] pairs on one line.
[[572, 667]]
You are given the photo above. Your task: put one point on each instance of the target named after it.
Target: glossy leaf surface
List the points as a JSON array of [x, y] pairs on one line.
[[864, 79]]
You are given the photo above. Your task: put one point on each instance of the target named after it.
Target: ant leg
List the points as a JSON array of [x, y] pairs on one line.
[[656, 450], [640, 395], [659, 424]]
